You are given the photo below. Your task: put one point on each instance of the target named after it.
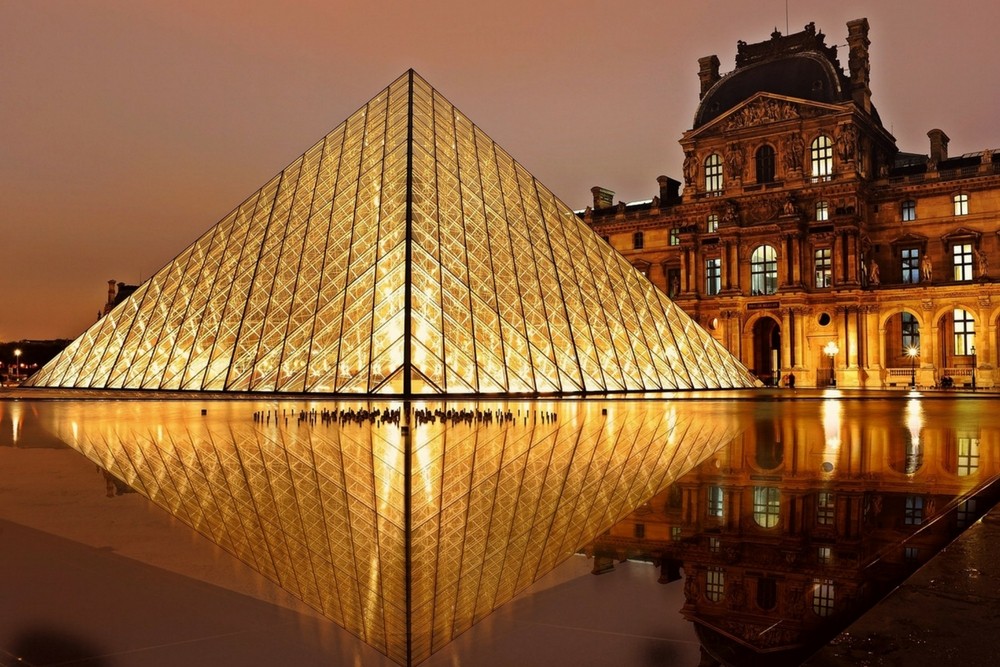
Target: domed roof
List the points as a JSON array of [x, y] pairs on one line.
[[808, 76]]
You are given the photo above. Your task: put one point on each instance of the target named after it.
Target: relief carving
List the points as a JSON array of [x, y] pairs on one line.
[[760, 112], [736, 159], [792, 154]]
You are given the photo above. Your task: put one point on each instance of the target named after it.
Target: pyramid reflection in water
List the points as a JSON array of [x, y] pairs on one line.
[[404, 253], [406, 552]]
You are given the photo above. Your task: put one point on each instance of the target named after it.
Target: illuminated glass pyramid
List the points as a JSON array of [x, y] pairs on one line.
[[405, 253]]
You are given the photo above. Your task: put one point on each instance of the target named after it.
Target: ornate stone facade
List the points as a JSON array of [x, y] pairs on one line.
[[802, 224]]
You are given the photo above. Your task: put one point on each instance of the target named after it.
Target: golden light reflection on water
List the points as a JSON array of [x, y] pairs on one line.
[[500, 493]]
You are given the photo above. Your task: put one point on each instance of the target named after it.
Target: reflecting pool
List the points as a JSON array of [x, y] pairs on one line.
[[407, 523]]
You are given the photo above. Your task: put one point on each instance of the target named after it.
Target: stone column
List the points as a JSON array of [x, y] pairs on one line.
[[786, 338]]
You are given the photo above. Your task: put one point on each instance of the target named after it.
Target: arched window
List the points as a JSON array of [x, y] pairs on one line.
[[764, 162], [766, 506], [821, 153], [713, 173], [764, 271]]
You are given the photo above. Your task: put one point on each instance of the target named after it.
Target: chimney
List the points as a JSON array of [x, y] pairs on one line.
[[709, 73], [111, 297], [603, 198], [670, 191], [939, 146], [858, 43]]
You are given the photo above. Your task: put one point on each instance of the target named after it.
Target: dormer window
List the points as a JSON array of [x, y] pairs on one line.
[[713, 173], [821, 153]]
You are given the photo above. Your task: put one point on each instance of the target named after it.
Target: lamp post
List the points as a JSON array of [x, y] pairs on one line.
[[17, 364], [831, 350], [973, 350], [912, 351]]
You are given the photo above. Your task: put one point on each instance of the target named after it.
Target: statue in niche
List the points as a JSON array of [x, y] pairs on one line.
[[873, 274], [793, 153], [789, 207], [847, 142], [729, 215], [675, 286], [926, 269], [982, 262], [690, 168], [736, 157]]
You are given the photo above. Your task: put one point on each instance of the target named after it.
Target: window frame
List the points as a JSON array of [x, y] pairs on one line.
[[960, 204], [715, 181], [766, 506], [638, 240], [712, 223], [909, 265], [909, 332], [821, 157], [764, 164], [823, 268], [908, 210], [964, 332], [713, 276], [822, 210], [961, 257], [763, 270]]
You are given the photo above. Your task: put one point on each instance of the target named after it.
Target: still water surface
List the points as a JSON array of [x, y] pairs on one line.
[[781, 519]]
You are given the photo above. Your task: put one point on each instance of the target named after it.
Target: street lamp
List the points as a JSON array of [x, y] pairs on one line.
[[17, 364], [831, 350], [912, 351], [973, 350]]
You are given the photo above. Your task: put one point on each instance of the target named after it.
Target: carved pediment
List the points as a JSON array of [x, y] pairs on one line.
[[909, 240], [961, 234], [764, 109]]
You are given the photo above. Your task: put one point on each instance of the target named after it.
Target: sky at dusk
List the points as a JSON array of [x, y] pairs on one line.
[[129, 128]]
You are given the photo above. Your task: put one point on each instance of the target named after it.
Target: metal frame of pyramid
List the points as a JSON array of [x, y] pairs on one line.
[[403, 254]]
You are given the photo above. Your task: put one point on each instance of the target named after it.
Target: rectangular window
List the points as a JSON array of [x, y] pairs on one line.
[[913, 511], [638, 240], [713, 173], [715, 498], [909, 210], [712, 223], [962, 256], [715, 583], [824, 508], [823, 261], [714, 545], [822, 211], [968, 456], [823, 597], [675, 533], [639, 530], [965, 332], [824, 555], [911, 554], [961, 204], [909, 261], [713, 276], [675, 237], [966, 513], [911, 332]]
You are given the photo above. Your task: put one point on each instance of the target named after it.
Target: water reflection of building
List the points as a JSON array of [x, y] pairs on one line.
[[802, 224], [784, 537]]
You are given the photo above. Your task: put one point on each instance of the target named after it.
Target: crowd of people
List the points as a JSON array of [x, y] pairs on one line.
[[395, 416]]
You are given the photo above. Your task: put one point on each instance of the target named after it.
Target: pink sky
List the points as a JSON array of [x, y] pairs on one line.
[[128, 128]]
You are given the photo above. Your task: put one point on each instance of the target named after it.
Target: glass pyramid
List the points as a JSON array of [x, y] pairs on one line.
[[405, 253], [404, 537]]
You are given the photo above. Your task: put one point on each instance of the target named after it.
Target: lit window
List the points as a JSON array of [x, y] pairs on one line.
[[913, 510], [822, 211], [712, 223], [715, 498], [824, 555], [714, 544], [764, 162], [961, 255], [675, 237], [823, 260], [823, 597], [713, 276], [910, 332], [968, 456], [961, 204], [909, 261], [965, 332], [675, 533], [639, 530], [909, 210], [637, 240], [766, 506], [715, 583], [824, 508], [713, 173], [764, 271], [821, 152]]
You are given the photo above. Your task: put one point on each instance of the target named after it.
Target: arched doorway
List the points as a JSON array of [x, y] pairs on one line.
[[767, 351]]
